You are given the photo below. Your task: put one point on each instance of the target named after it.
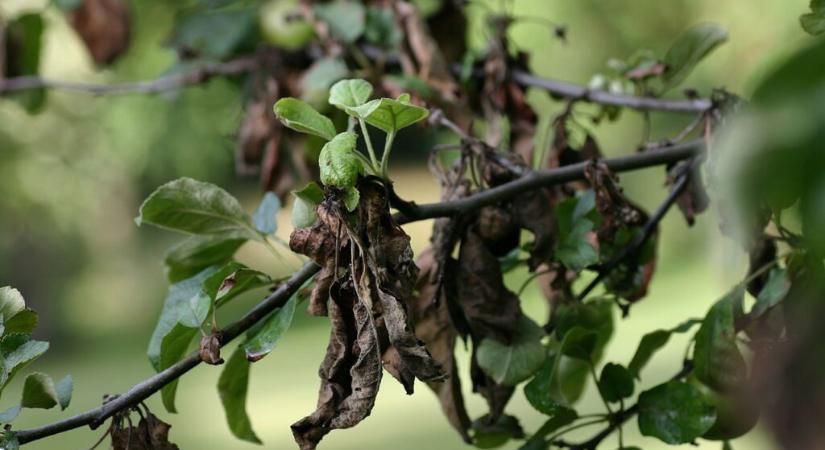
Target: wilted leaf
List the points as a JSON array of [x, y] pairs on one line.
[[615, 383], [345, 18], [196, 207], [39, 392], [210, 349], [232, 387], [347, 94], [674, 412], [196, 253], [151, 433], [104, 27], [300, 116], [390, 115], [689, 49], [338, 163], [265, 216], [513, 363], [270, 333], [652, 342], [717, 360]]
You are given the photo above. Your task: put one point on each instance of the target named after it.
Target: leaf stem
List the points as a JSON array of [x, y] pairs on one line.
[[375, 166], [385, 157]]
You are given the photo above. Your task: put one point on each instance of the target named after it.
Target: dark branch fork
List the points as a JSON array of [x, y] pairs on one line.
[[141, 391]]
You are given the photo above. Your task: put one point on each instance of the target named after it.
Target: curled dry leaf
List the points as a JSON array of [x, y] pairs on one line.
[[350, 373], [151, 433], [210, 349], [104, 27], [621, 219], [694, 200], [368, 289]]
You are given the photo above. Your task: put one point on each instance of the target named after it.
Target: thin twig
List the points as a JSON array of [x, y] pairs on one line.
[[198, 75], [141, 391]]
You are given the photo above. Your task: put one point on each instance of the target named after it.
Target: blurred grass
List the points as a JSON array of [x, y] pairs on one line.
[[71, 180]]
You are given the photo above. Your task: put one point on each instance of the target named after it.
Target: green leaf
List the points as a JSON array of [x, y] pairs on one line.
[[511, 364], [540, 393], [195, 207], [616, 382], [172, 348], [346, 19], [774, 291], [18, 352], [382, 28], [338, 163], [10, 414], [487, 434], [67, 5], [232, 387], [674, 412], [193, 311], [689, 49], [814, 22], [390, 115], [717, 360], [300, 116], [64, 389], [178, 293], [195, 32], [303, 209], [316, 82], [652, 342], [579, 343], [23, 322], [351, 199], [197, 253], [561, 418], [348, 94], [264, 218], [11, 302], [574, 248], [24, 42], [39, 392], [273, 329]]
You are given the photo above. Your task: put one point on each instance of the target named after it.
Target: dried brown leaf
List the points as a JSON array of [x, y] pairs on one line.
[[104, 27]]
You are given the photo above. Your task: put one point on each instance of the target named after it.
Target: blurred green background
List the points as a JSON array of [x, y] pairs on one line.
[[71, 180]]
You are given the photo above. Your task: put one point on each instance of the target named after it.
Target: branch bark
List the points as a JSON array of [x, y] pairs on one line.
[[198, 75], [277, 299], [244, 64]]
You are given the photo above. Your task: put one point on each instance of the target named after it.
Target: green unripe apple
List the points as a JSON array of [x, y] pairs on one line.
[[283, 26]]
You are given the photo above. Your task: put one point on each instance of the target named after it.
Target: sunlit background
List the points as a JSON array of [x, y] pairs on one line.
[[71, 180]]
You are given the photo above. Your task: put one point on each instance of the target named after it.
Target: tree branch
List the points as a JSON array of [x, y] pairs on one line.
[[247, 63], [198, 75], [617, 420], [583, 93], [277, 299]]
